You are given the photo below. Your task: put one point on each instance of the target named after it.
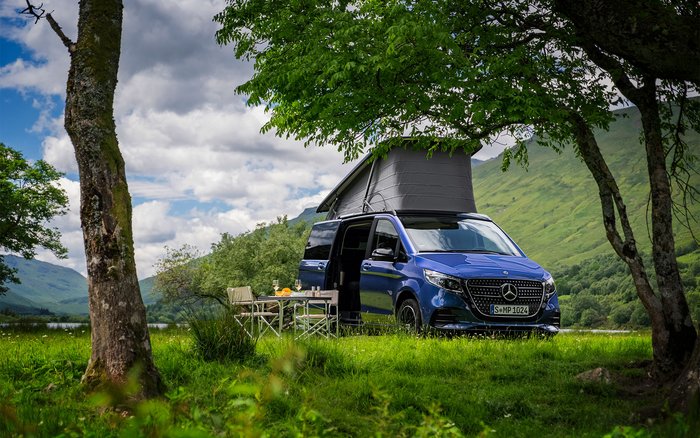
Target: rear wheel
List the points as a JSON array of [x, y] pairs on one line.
[[408, 315]]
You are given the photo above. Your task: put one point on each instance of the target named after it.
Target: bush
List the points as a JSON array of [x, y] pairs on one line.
[[639, 317], [591, 318], [217, 336], [621, 314]]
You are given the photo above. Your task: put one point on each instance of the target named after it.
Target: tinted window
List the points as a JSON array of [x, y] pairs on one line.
[[457, 234], [385, 235], [319, 245]]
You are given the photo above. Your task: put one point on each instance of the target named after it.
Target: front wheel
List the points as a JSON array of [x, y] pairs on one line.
[[408, 315]]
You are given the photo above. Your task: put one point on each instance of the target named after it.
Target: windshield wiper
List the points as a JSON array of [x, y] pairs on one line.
[[483, 251], [473, 251]]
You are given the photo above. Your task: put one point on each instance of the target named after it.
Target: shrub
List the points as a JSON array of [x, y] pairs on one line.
[[621, 314], [639, 317], [591, 318], [217, 336]]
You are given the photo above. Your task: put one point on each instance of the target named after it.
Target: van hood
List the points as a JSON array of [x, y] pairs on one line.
[[474, 265]]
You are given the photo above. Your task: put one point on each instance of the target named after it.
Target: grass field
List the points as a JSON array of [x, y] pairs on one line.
[[387, 385]]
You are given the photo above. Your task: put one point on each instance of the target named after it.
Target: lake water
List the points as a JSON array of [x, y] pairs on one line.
[[73, 325]]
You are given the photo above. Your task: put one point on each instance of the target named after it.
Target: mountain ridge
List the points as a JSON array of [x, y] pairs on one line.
[[47, 287]]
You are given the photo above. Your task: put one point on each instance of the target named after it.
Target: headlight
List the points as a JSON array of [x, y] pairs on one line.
[[443, 281], [549, 287]]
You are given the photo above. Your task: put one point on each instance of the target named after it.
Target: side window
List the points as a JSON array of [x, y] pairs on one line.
[[385, 235], [320, 240]]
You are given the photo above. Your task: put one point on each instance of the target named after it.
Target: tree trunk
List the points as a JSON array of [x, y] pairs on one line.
[[685, 396], [120, 338], [677, 318], [662, 338], [674, 330]]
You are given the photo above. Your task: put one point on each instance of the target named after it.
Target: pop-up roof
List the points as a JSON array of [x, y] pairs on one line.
[[405, 179]]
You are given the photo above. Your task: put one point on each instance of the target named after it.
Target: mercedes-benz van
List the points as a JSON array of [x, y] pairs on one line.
[[447, 270]]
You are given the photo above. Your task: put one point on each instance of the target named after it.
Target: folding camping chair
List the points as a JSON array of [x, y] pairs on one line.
[[247, 308], [318, 316]]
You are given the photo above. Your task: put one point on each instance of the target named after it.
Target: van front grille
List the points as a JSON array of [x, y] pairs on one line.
[[487, 292]]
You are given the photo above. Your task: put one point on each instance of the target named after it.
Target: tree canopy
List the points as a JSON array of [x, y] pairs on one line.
[[29, 198], [355, 73], [254, 258]]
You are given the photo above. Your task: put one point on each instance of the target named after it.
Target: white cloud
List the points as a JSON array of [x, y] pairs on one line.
[[185, 135]]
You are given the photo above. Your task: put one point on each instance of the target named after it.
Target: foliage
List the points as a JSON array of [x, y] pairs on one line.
[[29, 197], [359, 72], [551, 210], [217, 336], [598, 293], [179, 276], [393, 385], [269, 252], [255, 258]]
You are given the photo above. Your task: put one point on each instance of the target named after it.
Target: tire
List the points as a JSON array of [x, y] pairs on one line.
[[409, 316]]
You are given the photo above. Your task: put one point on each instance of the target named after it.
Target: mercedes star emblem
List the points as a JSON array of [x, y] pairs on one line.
[[509, 292]]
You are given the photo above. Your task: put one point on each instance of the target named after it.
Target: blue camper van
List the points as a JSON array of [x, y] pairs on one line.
[[402, 241], [448, 270]]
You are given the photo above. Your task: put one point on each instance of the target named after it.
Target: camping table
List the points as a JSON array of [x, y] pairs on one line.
[[288, 301]]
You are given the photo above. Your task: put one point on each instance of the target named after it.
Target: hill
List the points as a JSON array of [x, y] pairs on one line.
[[46, 287], [309, 216], [552, 210]]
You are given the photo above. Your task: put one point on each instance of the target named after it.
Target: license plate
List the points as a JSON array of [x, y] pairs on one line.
[[505, 309]]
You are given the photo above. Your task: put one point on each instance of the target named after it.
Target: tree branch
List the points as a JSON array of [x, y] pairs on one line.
[[611, 200], [38, 13], [70, 45]]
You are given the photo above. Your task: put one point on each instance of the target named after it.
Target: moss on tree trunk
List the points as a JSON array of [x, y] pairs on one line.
[[120, 338]]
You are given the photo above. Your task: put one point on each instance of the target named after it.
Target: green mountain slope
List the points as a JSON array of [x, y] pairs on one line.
[[48, 286], [44, 284], [552, 210], [309, 216]]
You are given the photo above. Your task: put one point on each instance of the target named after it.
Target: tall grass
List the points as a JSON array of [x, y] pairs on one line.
[[217, 335], [385, 385]]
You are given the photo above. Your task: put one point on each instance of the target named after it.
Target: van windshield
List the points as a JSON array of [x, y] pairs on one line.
[[457, 234]]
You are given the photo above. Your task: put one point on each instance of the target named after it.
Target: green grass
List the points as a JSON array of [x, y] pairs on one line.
[[391, 385]]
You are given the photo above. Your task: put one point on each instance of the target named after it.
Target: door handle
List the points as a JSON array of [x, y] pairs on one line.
[[366, 266]]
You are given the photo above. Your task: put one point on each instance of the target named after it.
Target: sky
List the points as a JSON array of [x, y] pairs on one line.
[[197, 164]]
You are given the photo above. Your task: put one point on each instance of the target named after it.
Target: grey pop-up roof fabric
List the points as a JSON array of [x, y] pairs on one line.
[[405, 179]]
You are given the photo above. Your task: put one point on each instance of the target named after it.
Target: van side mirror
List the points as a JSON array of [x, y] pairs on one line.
[[383, 255]]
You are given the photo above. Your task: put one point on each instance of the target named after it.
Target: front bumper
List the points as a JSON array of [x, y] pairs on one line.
[[455, 314]]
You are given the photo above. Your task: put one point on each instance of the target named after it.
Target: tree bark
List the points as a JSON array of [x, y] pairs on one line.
[[685, 395], [669, 343], [660, 38], [120, 337], [674, 304], [679, 334]]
